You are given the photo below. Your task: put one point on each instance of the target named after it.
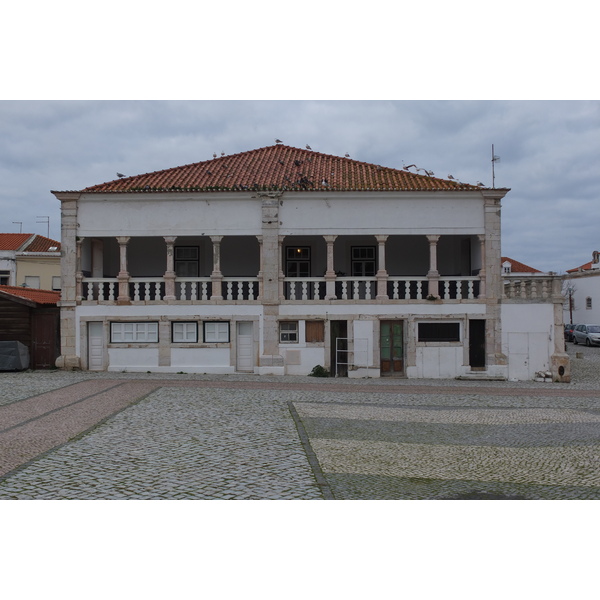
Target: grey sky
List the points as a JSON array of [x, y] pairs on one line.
[[549, 153]]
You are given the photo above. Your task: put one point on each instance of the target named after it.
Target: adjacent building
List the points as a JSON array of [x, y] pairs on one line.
[[30, 260], [582, 291], [277, 260]]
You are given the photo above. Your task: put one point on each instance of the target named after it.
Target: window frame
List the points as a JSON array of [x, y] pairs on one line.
[[137, 333], [588, 303], [363, 261], [314, 331], [37, 281], [178, 262], [210, 337], [185, 333], [439, 339], [289, 329]]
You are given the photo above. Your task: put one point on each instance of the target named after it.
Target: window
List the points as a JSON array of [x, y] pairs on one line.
[[439, 332], [315, 331], [186, 261], [133, 332], [184, 332], [56, 283], [216, 332], [506, 267], [588, 302], [32, 281], [297, 261], [4, 277], [288, 332], [363, 261]]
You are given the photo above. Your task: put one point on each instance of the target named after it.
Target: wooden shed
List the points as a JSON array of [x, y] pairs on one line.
[[32, 317]]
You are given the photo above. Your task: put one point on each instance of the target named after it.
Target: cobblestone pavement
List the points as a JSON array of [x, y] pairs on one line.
[[143, 436]]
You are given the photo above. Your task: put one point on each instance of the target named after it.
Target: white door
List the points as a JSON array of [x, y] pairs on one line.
[[245, 346], [95, 346]]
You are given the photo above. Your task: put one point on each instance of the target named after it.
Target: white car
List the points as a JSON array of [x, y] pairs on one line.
[[586, 334]]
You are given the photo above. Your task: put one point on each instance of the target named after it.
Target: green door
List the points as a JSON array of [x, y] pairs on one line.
[[392, 348]]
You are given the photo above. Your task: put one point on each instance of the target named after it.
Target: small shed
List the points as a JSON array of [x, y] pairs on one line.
[[32, 317]]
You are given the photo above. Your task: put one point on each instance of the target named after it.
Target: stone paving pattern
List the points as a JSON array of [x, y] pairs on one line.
[[146, 436]]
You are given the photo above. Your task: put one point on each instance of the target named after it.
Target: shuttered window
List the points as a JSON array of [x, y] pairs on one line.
[[315, 331]]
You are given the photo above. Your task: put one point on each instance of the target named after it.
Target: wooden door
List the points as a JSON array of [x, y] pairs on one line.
[[44, 340], [392, 348]]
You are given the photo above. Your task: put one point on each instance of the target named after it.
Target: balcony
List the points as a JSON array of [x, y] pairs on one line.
[[195, 290]]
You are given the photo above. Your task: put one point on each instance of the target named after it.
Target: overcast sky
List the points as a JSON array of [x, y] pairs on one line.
[[549, 153]]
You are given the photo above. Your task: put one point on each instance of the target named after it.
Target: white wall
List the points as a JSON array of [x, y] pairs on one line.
[[584, 286], [527, 338], [168, 214], [397, 214]]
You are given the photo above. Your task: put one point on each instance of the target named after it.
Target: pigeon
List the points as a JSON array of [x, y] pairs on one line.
[[120, 175], [277, 141]]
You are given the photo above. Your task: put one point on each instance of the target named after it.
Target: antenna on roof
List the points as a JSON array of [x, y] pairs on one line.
[[20, 224], [47, 221], [495, 159]]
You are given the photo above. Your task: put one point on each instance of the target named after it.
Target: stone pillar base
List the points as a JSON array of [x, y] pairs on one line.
[[68, 363], [560, 368]]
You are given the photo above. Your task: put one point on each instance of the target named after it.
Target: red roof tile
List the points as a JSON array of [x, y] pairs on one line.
[[279, 167], [38, 296], [13, 241], [518, 267], [42, 244], [586, 267]]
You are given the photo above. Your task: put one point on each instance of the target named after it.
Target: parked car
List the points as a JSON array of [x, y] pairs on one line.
[[569, 332], [586, 334]]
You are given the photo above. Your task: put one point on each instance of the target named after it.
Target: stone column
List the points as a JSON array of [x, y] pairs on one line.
[[216, 276], [330, 276], [169, 275], [68, 358], [382, 274], [559, 361], [79, 272], [123, 276], [482, 272], [271, 361], [260, 274], [433, 275]]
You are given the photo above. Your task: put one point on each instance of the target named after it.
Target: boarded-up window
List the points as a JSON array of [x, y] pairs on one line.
[[315, 331]]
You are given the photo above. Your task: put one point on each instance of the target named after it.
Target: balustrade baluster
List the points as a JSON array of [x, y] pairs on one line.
[[419, 290], [470, 290], [446, 290], [304, 285]]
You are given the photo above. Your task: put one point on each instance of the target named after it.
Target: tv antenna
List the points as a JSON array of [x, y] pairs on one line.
[[46, 221], [495, 159], [20, 224]]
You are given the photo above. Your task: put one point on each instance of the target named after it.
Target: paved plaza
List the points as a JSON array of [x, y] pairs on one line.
[[88, 435]]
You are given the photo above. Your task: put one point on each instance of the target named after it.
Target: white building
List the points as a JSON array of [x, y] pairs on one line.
[[582, 290], [276, 260]]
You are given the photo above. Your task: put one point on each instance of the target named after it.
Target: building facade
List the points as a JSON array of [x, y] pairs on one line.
[[581, 287], [29, 260], [277, 260]]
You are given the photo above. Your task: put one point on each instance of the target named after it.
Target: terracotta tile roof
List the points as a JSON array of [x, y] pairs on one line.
[[37, 296], [13, 241], [279, 167], [42, 244], [586, 267], [518, 267]]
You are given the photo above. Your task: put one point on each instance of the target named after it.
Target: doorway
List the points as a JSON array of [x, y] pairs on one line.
[[339, 348], [245, 347], [95, 346], [477, 344], [45, 341], [391, 347]]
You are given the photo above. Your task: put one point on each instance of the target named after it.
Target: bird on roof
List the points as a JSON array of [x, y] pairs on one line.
[[410, 166], [222, 153], [278, 141], [347, 155], [452, 177], [214, 155], [308, 147], [480, 184], [120, 175]]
